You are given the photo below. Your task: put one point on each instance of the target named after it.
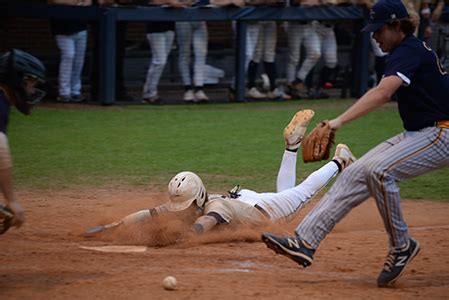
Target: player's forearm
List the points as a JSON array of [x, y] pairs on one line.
[[5, 169], [371, 100], [204, 224], [144, 215], [6, 185]]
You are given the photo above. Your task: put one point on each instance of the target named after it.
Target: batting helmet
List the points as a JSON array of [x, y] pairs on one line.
[[185, 188], [15, 67]]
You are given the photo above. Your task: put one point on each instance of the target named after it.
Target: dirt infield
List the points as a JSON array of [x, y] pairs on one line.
[[43, 259]]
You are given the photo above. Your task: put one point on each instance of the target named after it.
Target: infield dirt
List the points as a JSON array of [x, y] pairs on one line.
[[42, 260]]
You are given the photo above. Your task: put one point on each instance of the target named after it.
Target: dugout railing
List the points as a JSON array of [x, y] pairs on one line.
[[107, 17]]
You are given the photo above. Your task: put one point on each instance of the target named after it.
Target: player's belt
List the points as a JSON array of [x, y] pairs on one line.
[[263, 211], [442, 124]]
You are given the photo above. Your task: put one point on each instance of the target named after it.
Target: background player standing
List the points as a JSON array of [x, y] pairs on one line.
[[414, 75], [192, 34], [19, 74], [319, 40]]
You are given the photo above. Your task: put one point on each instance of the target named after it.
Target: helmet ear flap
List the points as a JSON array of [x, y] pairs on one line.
[[201, 198]]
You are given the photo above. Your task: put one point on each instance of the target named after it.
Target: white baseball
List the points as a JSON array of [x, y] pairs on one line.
[[169, 283]]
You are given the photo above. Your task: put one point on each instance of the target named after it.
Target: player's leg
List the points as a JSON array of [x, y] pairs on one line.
[[294, 33], [269, 32], [184, 39], [253, 54], [348, 191], [290, 201], [160, 44], [78, 63], [312, 44], [412, 154], [252, 36], [66, 46], [329, 50], [200, 40], [351, 189], [253, 67], [293, 135]]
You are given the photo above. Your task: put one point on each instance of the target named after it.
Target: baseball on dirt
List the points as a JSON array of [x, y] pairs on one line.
[[169, 283]]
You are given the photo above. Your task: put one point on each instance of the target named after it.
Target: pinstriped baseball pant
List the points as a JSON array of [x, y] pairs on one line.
[[318, 41], [73, 51], [160, 43], [266, 42], [190, 34], [376, 174]]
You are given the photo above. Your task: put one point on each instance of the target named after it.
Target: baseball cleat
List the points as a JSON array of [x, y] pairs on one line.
[[292, 247], [189, 96], [152, 100], [295, 130], [297, 89], [255, 94], [63, 99], [397, 261], [201, 97], [278, 94], [344, 155]]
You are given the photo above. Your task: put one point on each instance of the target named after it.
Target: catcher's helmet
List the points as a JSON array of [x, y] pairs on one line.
[[185, 188], [15, 67]]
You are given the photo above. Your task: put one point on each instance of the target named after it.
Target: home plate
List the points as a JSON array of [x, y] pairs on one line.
[[116, 249]]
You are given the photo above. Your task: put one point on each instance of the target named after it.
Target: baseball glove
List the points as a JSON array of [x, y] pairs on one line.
[[317, 144], [6, 216]]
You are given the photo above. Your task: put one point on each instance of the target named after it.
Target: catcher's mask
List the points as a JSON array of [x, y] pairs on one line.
[[17, 69], [185, 188]]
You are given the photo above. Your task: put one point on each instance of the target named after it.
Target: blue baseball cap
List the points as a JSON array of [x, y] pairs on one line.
[[385, 11]]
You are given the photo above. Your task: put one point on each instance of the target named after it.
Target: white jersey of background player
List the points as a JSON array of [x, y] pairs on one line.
[[186, 189]]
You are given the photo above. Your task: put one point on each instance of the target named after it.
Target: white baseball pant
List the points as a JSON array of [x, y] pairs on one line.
[[318, 39], [192, 34], [160, 44], [290, 197], [266, 42], [73, 51]]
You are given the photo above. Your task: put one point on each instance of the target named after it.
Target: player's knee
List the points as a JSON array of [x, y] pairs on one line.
[[374, 169], [68, 55], [331, 64], [314, 55]]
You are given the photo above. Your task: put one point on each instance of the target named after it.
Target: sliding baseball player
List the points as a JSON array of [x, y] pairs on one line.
[[187, 191]]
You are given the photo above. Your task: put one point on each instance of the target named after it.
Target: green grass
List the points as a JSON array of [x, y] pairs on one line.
[[225, 144]]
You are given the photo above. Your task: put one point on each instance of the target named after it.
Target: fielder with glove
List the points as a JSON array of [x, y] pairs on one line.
[[20, 72], [415, 77], [187, 191]]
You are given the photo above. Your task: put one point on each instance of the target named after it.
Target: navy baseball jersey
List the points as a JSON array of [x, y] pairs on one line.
[[424, 97], [4, 112]]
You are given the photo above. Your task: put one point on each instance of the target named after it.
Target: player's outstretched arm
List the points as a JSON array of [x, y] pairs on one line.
[[139, 216], [6, 186], [204, 223], [371, 100]]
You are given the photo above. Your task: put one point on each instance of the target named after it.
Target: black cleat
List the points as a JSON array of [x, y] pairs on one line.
[[396, 262], [292, 247]]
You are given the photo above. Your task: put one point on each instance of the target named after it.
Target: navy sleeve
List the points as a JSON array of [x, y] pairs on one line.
[[404, 60]]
